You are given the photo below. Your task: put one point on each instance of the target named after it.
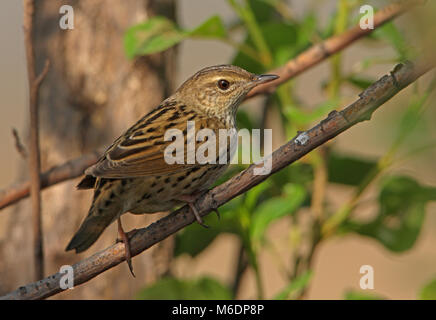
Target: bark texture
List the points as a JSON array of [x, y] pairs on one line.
[[91, 94]]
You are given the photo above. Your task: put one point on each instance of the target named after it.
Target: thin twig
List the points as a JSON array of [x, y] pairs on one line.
[[319, 183], [34, 158], [308, 259], [336, 122], [241, 266], [66, 171], [18, 145], [303, 62]]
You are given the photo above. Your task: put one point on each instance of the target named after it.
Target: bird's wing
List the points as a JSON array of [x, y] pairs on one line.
[[140, 151]]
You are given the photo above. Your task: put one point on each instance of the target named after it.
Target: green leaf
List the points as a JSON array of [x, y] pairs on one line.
[[253, 195], [176, 289], [155, 35], [284, 39], [348, 170], [211, 28], [295, 286], [299, 173], [243, 120], [305, 31], [329, 29], [306, 117], [159, 33], [402, 202], [247, 62], [275, 208], [360, 82], [280, 37], [411, 120], [193, 239], [429, 291], [391, 33], [412, 126], [359, 295], [262, 10]]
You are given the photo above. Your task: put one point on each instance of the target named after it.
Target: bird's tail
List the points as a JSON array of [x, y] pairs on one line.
[[103, 211]]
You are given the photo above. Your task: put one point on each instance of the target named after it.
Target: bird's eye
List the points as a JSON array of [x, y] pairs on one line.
[[223, 84]]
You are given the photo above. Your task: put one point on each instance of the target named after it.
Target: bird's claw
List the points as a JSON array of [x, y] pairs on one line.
[[125, 240], [217, 213], [197, 215]]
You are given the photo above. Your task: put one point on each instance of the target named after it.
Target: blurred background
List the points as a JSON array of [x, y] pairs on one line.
[[94, 91]]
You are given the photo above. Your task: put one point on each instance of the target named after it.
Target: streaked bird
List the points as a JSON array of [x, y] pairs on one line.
[[133, 176]]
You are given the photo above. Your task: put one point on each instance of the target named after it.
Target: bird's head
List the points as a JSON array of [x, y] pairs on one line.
[[218, 90]]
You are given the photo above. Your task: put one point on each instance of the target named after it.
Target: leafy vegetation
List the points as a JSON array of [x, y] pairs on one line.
[[271, 37]]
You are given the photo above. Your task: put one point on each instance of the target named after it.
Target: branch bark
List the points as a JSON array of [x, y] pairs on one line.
[[291, 69], [66, 171], [336, 122], [34, 158]]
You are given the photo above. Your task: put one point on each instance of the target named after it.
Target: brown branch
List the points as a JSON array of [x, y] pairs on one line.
[[303, 62], [34, 156], [325, 49], [69, 170], [336, 122]]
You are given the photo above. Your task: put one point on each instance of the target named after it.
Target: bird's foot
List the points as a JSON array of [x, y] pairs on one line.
[[190, 200], [125, 238]]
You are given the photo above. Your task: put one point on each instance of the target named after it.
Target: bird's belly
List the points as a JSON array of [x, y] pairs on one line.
[[161, 193], [149, 207]]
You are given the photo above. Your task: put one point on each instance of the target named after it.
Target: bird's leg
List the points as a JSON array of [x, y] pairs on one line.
[[125, 239], [190, 200], [129, 235]]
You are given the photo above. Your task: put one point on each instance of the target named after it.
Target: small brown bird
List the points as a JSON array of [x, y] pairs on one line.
[[133, 176]]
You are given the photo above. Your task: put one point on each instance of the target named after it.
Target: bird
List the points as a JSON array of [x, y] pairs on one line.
[[133, 175]]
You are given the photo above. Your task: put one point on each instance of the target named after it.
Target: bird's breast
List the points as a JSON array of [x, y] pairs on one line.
[[159, 193]]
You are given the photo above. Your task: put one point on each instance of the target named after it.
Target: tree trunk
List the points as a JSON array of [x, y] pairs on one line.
[[91, 94]]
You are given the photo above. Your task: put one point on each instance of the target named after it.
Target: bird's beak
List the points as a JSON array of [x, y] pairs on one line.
[[264, 78]]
